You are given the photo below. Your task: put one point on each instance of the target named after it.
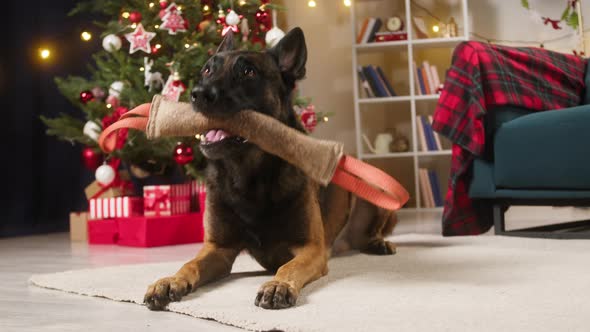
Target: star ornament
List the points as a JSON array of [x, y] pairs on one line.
[[139, 40]]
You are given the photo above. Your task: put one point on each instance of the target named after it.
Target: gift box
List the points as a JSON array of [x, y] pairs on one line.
[[160, 231], [79, 226], [103, 231], [167, 200], [95, 190], [114, 207]]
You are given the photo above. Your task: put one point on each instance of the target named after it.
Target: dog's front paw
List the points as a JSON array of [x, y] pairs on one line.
[[164, 291], [276, 295]]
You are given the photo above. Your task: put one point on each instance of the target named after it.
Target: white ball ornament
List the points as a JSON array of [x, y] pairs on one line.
[[105, 174], [92, 130], [273, 36], [111, 43], [232, 18], [116, 88]]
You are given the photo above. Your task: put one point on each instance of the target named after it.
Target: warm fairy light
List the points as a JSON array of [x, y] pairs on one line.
[[179, 7], [134, 25], [311, 3], [198, 136], [186, 46], [347, 3], [435, 28], [151, 4], [206, 8], [242, 2], [44, 53], [156, 26], [141, 69], [109, 105], [86, 36], [325, 119], [158, 46], [125, 15]]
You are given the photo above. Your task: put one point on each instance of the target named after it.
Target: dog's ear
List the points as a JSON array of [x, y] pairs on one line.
[[291, 54], [227, 44]]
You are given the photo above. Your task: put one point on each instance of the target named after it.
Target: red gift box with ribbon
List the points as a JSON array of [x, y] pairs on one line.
[[166, 200], [103, 231], [160, 231]]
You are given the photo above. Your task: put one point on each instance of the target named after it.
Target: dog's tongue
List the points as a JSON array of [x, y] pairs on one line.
[[216, 135]]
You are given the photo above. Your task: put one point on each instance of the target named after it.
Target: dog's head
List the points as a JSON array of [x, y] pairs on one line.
[[235, 80]]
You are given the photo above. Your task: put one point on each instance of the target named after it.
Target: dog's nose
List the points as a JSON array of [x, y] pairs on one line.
[[209, 94]]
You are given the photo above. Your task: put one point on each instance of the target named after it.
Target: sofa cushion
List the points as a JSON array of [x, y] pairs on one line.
[[544, 150]]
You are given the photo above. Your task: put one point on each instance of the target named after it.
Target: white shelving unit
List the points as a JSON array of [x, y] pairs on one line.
[[379, 8]]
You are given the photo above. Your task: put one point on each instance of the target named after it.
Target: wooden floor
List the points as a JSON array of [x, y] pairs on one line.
[[28, 308]]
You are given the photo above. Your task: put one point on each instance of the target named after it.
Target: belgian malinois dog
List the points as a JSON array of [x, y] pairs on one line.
[[258, 202]]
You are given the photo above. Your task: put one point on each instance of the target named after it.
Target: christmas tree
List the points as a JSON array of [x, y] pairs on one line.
[[157, 48]]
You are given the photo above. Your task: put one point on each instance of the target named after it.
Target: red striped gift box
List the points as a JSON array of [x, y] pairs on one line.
[[167, 200], [115, 207]]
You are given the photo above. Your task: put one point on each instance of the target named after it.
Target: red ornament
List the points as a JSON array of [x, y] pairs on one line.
[[91, 159], [263, 18], [163, 4], [309, 118], [86, 96], [183, 153], [135, 17], [154, 49]]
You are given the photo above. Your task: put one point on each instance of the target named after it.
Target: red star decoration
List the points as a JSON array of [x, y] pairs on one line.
[[173, 21], [139, 40]]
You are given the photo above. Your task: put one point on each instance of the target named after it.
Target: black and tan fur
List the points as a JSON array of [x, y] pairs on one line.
[[260, 203]]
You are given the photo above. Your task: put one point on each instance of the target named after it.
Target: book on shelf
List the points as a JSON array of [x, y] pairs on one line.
[[387, 36], [377, 83], [427, 77], [430, 188], [416, 82], [436, 135], [361, 34], [369, 30], [436, 192], [368, 93], [427, 138], [386, 82], [425, 188]]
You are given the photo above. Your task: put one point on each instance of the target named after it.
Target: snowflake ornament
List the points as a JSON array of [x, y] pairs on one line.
[[139, 40], [172, 20]]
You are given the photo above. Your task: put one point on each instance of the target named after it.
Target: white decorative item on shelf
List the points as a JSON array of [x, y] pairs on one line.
[[111, 43], [92, 130], [105, 174], [274, 35], [408, 104]]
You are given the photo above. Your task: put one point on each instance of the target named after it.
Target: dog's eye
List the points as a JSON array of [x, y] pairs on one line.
[[206, 71], [249, 72]]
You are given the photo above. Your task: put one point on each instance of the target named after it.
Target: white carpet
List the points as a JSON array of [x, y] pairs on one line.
[[481, 283]]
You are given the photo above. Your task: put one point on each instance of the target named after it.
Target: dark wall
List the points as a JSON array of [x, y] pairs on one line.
[[42, 178]]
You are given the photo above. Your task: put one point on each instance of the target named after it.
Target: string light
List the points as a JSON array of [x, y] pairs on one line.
[[206, 8], [186, 46], [134, 25], [311, 3], [86, 36], [156, 26], [326, 119], [347, 3], [109, 105], [151, 4], [141, 69], [242, 2], [158, 46], [44, 53], [125, 15], [179, 7], [435, 28]]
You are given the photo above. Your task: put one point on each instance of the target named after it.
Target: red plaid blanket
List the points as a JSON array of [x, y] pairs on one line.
[[481, 77]]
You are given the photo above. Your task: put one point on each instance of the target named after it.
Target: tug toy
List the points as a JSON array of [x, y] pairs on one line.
[[321, 160]]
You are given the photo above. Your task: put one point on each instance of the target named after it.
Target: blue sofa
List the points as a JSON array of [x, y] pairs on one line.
[[536, 158]]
